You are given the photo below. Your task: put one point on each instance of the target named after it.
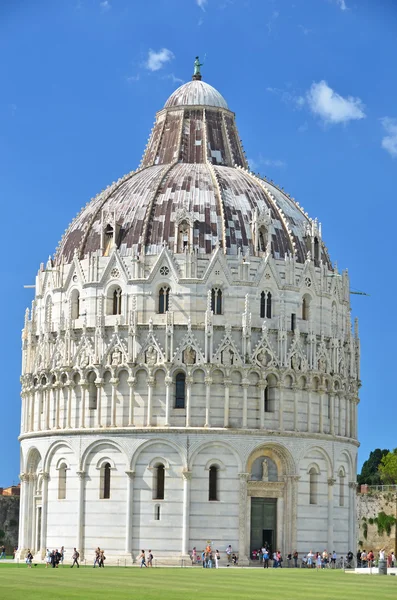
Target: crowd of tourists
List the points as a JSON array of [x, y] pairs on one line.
[[368, 559], [210, 558]]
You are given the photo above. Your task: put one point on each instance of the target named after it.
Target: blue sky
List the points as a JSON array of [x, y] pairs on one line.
[[313, 83]]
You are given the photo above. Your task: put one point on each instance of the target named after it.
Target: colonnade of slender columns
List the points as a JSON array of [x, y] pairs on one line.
[[42, 407]]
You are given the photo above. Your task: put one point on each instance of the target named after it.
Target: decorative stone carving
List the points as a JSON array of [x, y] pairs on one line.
[[151, 356], [265, 470], [116, 357], [189, 356]]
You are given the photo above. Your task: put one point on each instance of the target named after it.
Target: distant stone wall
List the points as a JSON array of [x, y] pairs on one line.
[[9, 522], [369, 505]]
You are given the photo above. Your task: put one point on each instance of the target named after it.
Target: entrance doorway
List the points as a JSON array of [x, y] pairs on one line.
[[263, 523]]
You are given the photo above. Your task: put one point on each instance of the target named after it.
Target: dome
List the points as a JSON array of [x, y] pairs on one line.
[[194, 169], [196, 93]]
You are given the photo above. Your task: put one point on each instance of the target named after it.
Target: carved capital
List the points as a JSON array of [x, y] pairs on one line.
[[186, 475], [131, 381], [130, 474], [353, 485], [331, 481], [45, 475], [24, 477], [189, 380], [81, 474], [245, 383], [168, 381], [244, 477], [114, 381], [151, 381]]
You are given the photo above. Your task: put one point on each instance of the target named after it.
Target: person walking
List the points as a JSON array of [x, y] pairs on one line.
[[2, 552], [29, 558], [295, 558], [62, 553], [47, 558], [142, 558], [150, 559], [310, 560], [194, 555], [75, 557], [217, 559], [229, 554], [97, 553], [102, 559]]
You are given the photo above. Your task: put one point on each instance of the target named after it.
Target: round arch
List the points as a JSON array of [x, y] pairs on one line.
[[213, 444], [33, 459], [324, 454], [94, 445], [278, 453], [152, 442], [51, 451]]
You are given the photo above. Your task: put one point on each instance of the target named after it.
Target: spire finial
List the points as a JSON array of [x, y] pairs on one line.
[[197, 72]]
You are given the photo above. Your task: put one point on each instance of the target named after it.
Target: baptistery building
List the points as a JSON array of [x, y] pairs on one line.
[[189, 369]]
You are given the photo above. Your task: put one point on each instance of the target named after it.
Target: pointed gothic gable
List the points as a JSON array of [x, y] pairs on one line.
[[189, 342], [296, 357], [227, 353], [57, 359], [218, 263], [116, 352], [151, 342], [335, 288], [74, 269], [264, 354], [165, 259], [267, 274], [323, 360], [308, 278], [85, 353], [115, 262]]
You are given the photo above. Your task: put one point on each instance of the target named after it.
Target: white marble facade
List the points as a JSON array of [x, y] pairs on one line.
[[194, 365]]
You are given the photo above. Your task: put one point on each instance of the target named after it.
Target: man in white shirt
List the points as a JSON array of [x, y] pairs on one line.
[[229, 554], [382, 554]]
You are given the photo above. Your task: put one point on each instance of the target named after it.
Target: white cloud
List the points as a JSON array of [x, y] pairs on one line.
[[173, 78], [389, 142], [105, 5], [157, 60], [252, 163], [256, 163], [201, 3], [341, 4], [270, 24], [331, 107], [133, 78]]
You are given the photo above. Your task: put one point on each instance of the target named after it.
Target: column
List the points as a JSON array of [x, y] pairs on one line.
[[39, 407], [339, 414], [58, 405], [243, 541], [208, 382], [114, 381], [131, 382], [321, 408], [226, 414], [83, 403], [245, 384], [47, 407], [99, 386], [295, 390], [262, 387], [331, 483], [282, 526], [129, 512], [69, 392], [189, 381], [44, 506], [31, 513], [80, 514], [347, 413], [33, 402], [23, 515], [352, 514], [332, 414], [150, 386], [187, 476], [281, 406], [23, 403], [168, 384]]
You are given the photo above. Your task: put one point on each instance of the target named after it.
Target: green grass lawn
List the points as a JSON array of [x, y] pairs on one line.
[[17, 582]]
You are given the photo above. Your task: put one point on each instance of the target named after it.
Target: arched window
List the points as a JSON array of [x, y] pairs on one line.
[[216, 301], [180, 390], [213, 483], [164, 297], [75, 304], [341, 488], [62, 482], [266, 305], [104, 492], [316, 250], [183, 236], [116, 307], [262, 239], [157, 512], [158, 482], [269, 394], [306, 307], [313, 485]]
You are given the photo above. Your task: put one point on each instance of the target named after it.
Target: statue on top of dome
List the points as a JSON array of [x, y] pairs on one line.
[[197, 65]]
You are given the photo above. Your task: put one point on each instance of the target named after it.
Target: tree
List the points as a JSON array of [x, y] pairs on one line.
[[369, 472], [388, 468]]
